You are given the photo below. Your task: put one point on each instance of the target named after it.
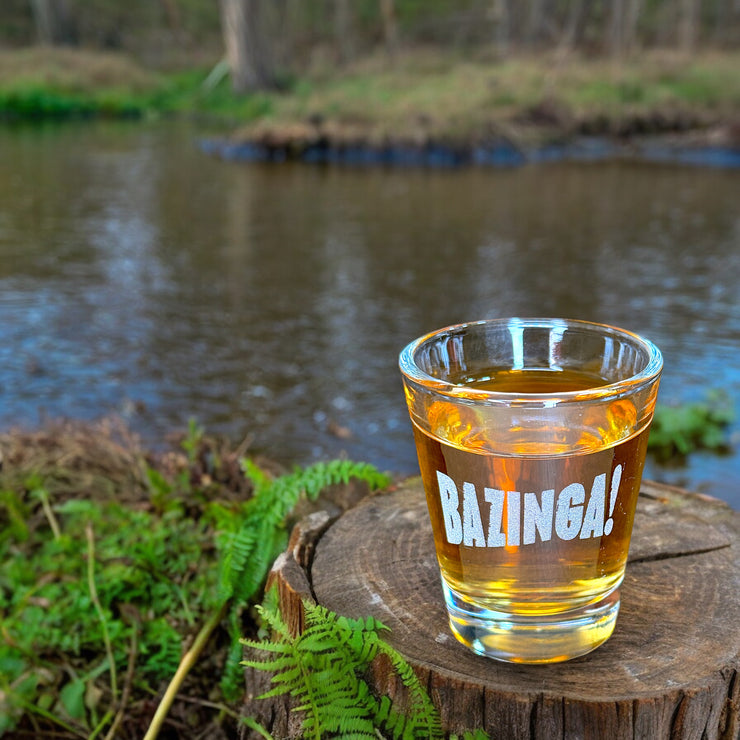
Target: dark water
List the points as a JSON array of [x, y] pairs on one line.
[[141, 277]]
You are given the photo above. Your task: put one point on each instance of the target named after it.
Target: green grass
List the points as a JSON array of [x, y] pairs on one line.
[[116, 573], [83, 593], [425, 94], [705, 84], [441, 93], [58, 83], [42, 83], [682, 429], [39, 102]]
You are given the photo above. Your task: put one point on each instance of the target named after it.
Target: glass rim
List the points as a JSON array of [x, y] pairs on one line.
[[465, 394]]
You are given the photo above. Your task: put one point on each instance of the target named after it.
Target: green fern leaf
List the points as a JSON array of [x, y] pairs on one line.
[[259, 478], [422, 710], [248, 546], [323, 669], [257, 727]]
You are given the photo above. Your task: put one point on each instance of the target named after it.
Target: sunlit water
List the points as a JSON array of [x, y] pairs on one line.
[[141, 277]]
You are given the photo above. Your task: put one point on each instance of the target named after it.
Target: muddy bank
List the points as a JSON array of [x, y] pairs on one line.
[[539, 135]]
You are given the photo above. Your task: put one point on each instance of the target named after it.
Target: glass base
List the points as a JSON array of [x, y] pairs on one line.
[[516, 638]]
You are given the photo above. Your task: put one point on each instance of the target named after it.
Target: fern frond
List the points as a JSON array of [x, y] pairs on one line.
[[285, 659], [257, 727], [316, 477], [323, 670], [259, 478], [247, 581], [423, 711], [236, 549], [269, 612], [250, 537], [248, 551]]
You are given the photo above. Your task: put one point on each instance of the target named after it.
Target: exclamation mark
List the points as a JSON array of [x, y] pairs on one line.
[[616, 478]]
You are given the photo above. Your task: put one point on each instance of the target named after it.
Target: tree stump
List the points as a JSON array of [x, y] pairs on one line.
[[670, 670]]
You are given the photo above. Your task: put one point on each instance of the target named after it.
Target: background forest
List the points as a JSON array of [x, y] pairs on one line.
[[291, 33]]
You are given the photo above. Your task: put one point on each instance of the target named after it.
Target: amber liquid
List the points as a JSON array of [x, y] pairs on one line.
[[531, 534]]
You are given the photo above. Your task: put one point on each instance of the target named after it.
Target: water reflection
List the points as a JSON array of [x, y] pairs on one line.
[[138, 275]]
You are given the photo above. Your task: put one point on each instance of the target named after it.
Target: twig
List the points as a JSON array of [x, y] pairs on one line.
[[107, 717], [99, 608], [244, 445], [128, 681], [221, 707], [187, 662], [53, 523]]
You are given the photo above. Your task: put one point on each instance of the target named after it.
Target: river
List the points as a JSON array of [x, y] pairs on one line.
[[144, 278]]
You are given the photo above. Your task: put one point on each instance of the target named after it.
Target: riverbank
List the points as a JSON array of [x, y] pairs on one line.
[[448, 105], [424, 108]]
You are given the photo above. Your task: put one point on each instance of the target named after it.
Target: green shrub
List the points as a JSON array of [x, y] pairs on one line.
[[682, 429]]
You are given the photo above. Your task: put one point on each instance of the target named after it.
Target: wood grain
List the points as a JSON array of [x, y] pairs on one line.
[[670, 670]]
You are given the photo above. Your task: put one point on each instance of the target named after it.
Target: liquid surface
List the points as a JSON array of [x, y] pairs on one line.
[[571, 430], [531, 381]]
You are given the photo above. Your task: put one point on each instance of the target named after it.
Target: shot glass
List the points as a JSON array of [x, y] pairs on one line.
[[531, 437]]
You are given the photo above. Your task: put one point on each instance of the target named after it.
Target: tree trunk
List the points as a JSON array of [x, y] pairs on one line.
[[687, 25], [502, 26], [570, 30], [615, 30], [172, 13], [343, 31], [390, 26], [247, 49], [670, 671], [630, 25], [535, 22], [622, 26], [54, 22]]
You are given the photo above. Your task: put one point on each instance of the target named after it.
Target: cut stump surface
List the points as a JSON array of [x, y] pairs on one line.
[[670, 670]]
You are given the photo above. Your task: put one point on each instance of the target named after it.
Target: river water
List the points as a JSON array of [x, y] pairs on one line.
[[142, 277]]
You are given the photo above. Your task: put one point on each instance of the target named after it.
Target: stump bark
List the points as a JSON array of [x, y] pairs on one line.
[[670, 670]]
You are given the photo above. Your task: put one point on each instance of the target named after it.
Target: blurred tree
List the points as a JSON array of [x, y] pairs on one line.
[[264, 37], [687, 25], [615, 29], [390, 25], [535, 22], [172, 13], [342, 30], [634, 7], [54, 22], [247, 47], [501, 17], [572, 25]]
